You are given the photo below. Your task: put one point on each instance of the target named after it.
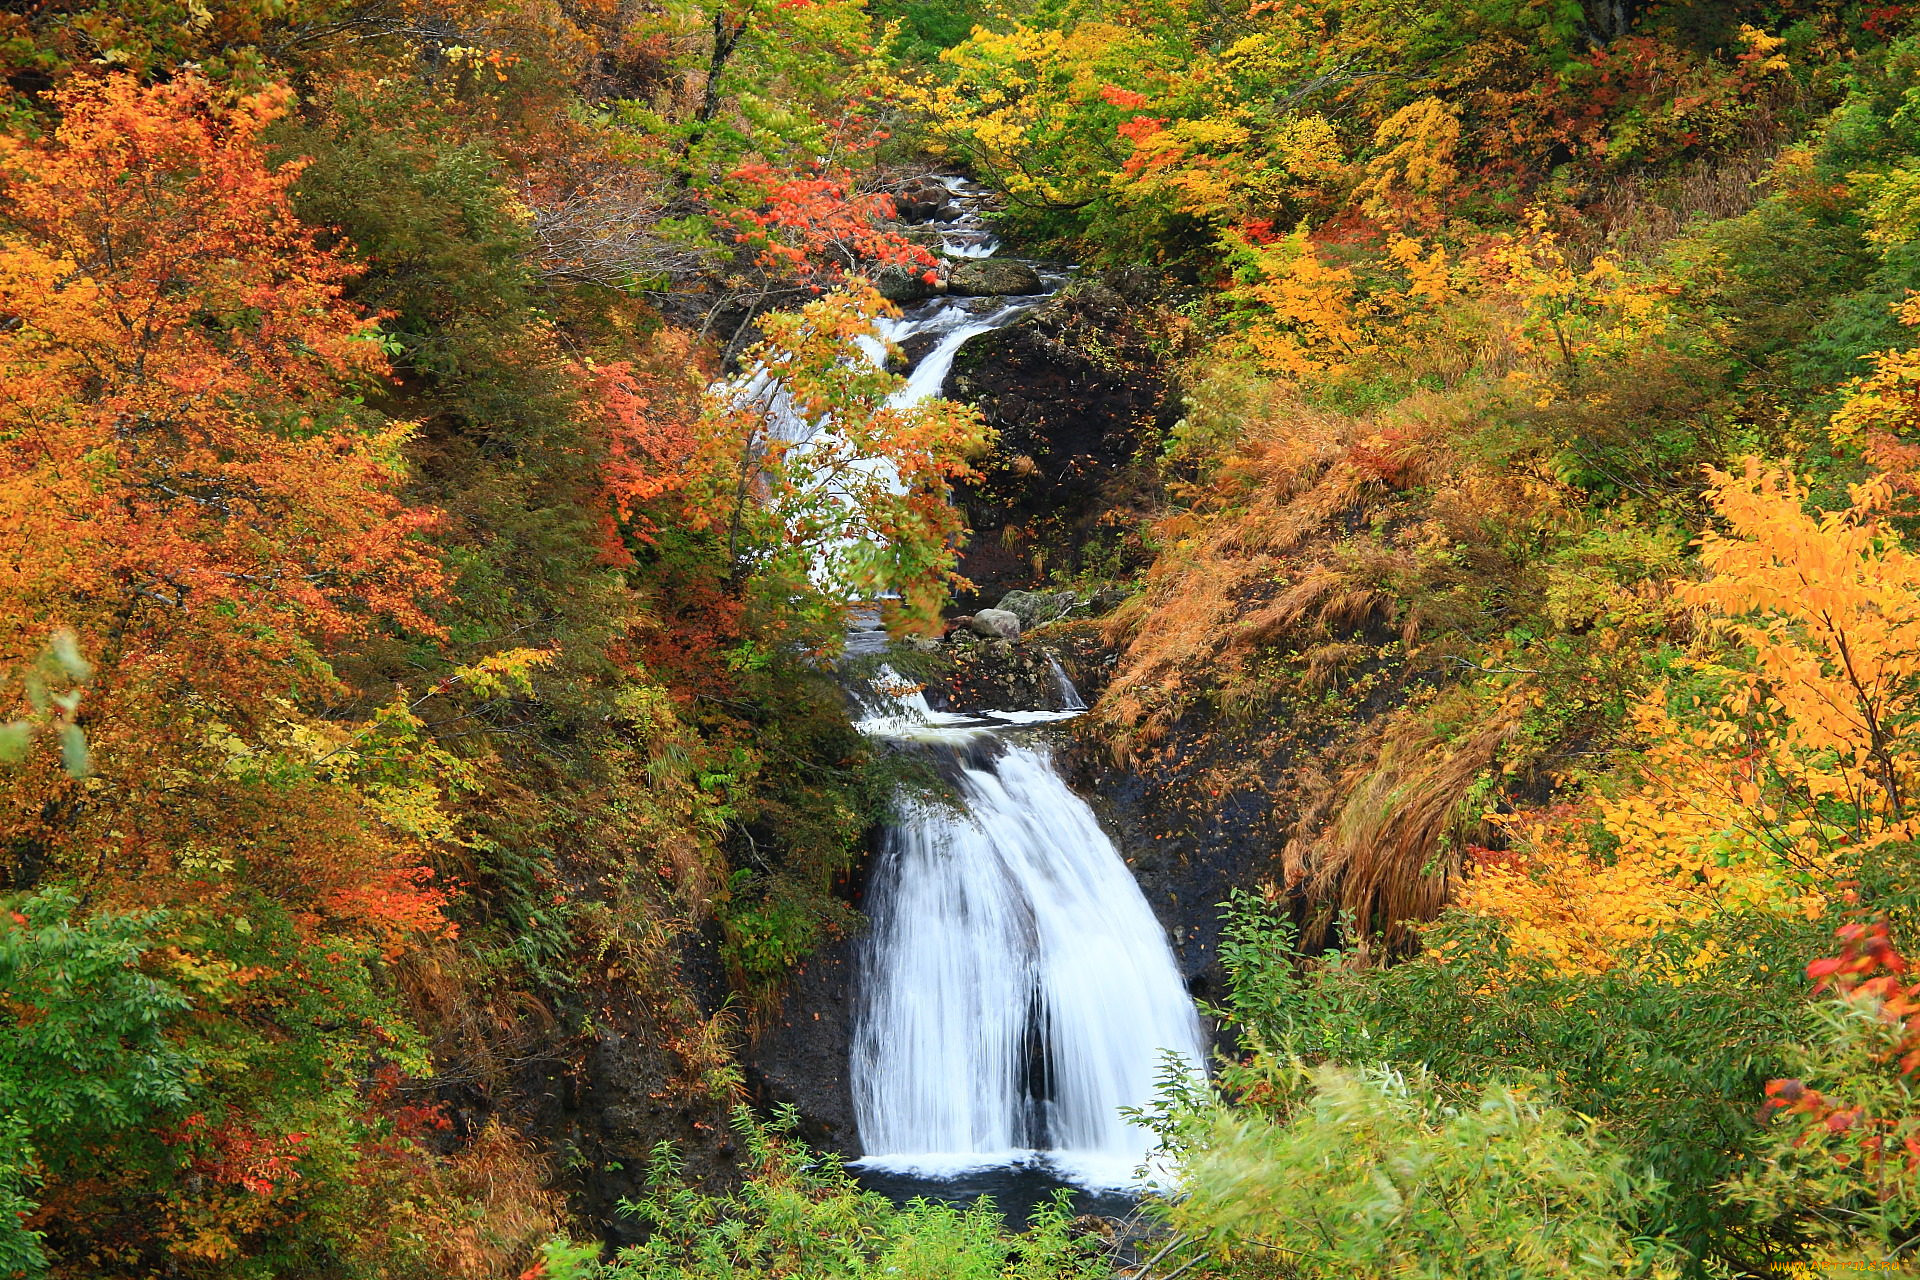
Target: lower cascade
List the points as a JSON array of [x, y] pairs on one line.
[[1018, 991]]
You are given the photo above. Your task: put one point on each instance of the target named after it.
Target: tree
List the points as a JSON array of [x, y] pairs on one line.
[[822, 488], [1765, 792], [188, 466], [190, 482], [1829, 604]]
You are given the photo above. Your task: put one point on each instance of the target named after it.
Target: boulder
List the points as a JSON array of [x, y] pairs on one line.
[[903, 284], [996, 624], [923, 202], [975, 674], [1034, 608], [1138, 284], [993, 278]]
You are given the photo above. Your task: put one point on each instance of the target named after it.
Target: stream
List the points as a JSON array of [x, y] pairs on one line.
[[1014, 991]]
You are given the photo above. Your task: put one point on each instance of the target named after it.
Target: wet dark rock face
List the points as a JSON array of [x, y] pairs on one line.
[[1225, 799], [799, 1058], [607, 1096], [1074, 390], [1187, 849]]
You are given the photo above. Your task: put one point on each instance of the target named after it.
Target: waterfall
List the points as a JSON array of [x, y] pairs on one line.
[[950, 320], [967, 236], [955, 321], [1070, 699], [1018, 991], [931, 373]]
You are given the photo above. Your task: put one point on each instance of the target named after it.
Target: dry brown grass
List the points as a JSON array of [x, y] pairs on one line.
[[476, 1027], [1262, 557], [1319, 533], [1383, 842], [1283, 485], [1640, 213], [503, 1183], [1319, 537]]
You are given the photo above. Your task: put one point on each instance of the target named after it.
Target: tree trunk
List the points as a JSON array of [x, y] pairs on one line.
[[726, 38]]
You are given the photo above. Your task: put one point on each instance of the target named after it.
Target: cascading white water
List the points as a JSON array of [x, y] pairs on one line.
[[967, 236], [1017, 990], [818, 458], [1070, 699], [931, 373], [954, 320]]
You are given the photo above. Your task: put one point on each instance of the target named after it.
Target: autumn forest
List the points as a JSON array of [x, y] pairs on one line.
[[1435, 483]]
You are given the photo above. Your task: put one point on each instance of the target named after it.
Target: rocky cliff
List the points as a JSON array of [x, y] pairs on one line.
[[1075, 392]]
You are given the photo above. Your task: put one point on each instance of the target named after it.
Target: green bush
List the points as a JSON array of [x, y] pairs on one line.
[[1379, 1173], [1675, 1070], [85, 1063], [802, 1216]]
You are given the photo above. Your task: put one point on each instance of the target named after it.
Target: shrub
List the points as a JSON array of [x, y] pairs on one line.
[[802, 1216], [1378, 1173]]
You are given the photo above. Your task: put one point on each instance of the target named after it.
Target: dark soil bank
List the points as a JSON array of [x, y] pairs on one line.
[[1074, 391]]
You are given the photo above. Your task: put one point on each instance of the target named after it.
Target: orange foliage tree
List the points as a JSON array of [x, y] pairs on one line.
[[817, 225], [184, 466], [646, 409], [189, 481]]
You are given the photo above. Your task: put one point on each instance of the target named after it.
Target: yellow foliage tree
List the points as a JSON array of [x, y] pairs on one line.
[[1412, 170], [1309, 318], [1881, 414], [1804, 763], [1563, 315], [1026, 109], [1138, 118], [1830, 605], [1585, 885]]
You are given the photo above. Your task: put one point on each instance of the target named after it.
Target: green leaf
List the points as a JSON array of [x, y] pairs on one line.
[[66, 652], [74, 756]]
